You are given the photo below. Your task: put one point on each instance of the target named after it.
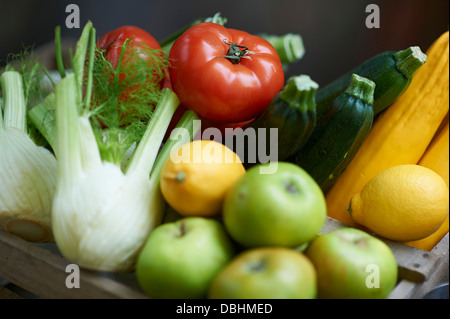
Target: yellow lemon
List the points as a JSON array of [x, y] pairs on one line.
[[402, 203], [197, 176], [429, 242]]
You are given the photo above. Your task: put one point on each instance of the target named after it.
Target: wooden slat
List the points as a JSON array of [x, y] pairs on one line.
[[5, 293], [403, 290], [441, 273], [44, 273]]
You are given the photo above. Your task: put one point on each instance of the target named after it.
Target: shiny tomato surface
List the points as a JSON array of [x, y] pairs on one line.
[[218, 87], [140, 64], [113, 41]]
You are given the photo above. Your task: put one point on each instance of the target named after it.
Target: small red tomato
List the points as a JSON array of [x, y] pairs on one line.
[[141, 70], [113, 41], [224, 75], [138, 45]]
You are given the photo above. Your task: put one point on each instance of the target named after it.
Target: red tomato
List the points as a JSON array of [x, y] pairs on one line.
[[112, 42], [224, 75], [138, 41]]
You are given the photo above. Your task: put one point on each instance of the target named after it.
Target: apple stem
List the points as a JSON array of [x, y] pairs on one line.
[[182, 228], [257, 265], [291, 188]]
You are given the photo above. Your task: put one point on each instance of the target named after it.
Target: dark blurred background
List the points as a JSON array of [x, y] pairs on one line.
[[334, 33]]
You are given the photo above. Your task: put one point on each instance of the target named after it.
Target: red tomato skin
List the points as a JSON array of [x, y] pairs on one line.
[[113, 41], [215, 88]]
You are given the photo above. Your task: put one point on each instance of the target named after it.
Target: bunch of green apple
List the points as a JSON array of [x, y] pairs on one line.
[[283, 209], [253, 251], [270, 215], [347, 263]]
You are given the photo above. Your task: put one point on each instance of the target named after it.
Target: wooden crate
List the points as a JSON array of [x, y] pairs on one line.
[[38, 270]]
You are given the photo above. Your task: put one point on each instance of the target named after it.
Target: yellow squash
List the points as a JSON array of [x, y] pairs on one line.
[[436, 158], [402, 133]]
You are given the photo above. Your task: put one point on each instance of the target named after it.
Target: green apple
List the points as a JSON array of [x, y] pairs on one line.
[[180, 259], [352, 264], [285, 208], [266, 273]]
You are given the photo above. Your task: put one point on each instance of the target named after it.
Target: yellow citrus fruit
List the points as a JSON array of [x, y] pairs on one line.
[[429, 242], [197, 176], [402, 203]]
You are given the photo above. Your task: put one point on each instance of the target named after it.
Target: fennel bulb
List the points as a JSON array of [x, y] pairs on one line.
[[28, 172], [101, 215], [105, 206]]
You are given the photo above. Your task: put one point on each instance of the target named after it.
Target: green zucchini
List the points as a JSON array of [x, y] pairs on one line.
[[289, 46], [331, 148], [391, 71], [293, 113]]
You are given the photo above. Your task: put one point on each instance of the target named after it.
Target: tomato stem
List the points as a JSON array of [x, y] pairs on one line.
[[234, 53]]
